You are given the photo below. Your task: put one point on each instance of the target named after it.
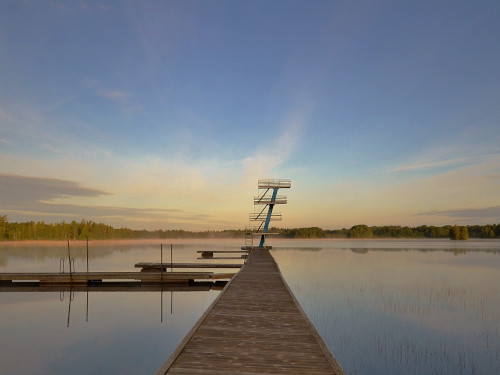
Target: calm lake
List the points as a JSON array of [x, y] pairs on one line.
[[382, 307]]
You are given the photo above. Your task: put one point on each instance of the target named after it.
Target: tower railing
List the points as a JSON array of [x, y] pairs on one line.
[[270, 183], [280, 199], [263, 216]]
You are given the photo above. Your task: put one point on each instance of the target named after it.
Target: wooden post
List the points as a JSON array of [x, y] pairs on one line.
[[69, 258], [87, 254]]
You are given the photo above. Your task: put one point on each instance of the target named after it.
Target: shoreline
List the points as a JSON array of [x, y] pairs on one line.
[[238, 241]]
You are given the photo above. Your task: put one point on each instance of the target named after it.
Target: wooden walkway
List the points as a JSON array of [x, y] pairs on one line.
[[255, 326]]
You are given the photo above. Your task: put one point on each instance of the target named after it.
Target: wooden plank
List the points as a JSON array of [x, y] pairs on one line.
[[222, 251], [85, 277], [186, 265], [244, 256], [255, 326], [250, 248], [128, 286]]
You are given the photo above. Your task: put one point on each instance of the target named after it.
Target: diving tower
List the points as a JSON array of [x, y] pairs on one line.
[[267, 198]]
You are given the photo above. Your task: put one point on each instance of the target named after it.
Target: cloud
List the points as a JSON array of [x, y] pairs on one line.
[[272, 154], [468, 213], [120, 97], [36, 197], [16, 189], [441, 163], [115, 95]]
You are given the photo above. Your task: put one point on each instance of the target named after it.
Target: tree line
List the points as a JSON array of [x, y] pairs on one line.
[[454, 232], [12, 231], [96, 231]]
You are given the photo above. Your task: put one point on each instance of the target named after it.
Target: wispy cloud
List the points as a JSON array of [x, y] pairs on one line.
[[274, 153], [16, 190], [442, 163], [120, 97], [37, 197], [492, 213]]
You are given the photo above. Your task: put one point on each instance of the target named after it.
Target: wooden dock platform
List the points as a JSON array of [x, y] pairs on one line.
[[255, 326], [92, 277], [158, 266], [222, 251], [199, 286]]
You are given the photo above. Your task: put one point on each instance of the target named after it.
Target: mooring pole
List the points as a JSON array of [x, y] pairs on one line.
[[161, 266], [87, 254], [171, 260], [87, 314], [69, 258]]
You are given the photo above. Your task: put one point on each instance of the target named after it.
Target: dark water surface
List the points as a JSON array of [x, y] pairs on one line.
[[383, 307]]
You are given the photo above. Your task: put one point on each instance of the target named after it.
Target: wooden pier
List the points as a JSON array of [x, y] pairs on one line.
[[255, 326]]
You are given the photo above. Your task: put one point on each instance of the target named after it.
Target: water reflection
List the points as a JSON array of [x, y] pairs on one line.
[[454, 250], [102, 329], [383, 307], [411, 309]]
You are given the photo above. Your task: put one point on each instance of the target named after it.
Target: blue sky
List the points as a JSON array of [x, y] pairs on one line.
[[164, 114]]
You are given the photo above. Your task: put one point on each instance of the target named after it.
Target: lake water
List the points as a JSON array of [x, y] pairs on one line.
[[382, 307]]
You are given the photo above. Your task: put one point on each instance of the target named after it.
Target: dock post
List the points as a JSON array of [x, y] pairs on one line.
[[87, 254], [69, 259], [161, 266]]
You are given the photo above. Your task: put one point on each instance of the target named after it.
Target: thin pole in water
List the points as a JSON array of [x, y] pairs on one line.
[[171, 260], [69, 258], [87, 314], [161, 266], [87, 254], [161, 302]]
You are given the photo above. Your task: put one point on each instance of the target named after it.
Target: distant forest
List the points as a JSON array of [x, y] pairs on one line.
[[99, 231]]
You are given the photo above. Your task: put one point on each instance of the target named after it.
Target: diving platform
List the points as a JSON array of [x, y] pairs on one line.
[[255, 326], [274, 183], [268, 197]]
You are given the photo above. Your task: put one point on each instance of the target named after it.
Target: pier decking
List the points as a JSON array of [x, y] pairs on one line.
[[255, 326], [163, 266], [90, 277]]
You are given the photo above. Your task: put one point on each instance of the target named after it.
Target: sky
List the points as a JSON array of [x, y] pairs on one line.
[[165, 114]]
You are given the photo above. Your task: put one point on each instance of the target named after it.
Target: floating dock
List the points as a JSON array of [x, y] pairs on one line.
[[255, 326], [98, 277], [208, 254], [199, 286], [146, 267]]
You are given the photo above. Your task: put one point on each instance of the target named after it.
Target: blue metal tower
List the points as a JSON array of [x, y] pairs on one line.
[[268, 197]]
